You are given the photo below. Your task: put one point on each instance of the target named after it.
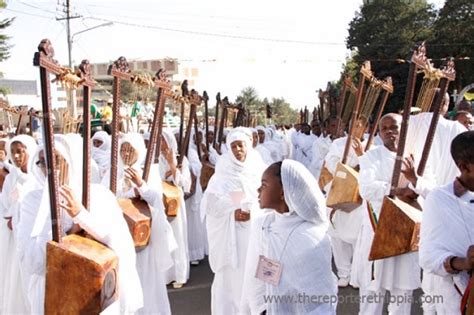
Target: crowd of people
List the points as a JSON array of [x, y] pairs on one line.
[[262, 218]]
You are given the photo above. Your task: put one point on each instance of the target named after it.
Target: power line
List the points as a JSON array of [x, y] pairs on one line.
[[31, 14], [255, 38], [168, 29], [36, 7]]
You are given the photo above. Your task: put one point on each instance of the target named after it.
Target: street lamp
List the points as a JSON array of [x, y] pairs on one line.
[[91, 28], [72, 96]]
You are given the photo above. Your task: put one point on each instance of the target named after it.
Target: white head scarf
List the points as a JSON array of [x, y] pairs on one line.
[[302, 194], [17, 184], [43, 219], [27, 141], [264, 131], [137, 143], [102, 154], [232, 174]]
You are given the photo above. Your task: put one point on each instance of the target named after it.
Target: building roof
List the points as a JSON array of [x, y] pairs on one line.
[[20, 87]]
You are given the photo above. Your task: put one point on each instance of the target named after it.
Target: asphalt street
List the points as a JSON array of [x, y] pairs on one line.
[[195, 297]]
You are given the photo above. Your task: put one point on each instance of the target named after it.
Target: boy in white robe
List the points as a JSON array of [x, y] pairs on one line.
[[293, 233], [447, 237], [345, 226]]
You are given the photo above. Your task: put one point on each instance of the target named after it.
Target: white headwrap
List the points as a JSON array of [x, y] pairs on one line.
[[258, 128], [27, 141], [137, 142], [302, 194], [102, 154], [17, 183], [43, 219]]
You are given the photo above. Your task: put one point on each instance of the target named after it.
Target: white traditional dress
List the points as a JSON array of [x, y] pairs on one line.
[[440, 160], [233, 183], [16, 186], [104, 222], [319, 151], [345, 226], [179, 272], [262, 148], [399, 274], [298, 240], [155, 258], [446, 230], [197, 235]]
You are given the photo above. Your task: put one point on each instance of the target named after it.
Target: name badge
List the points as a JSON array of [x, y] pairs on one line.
[[268, 270]]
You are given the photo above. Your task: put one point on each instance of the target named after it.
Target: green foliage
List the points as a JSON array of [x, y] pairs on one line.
[[282, 113], [130, 92], [4, 47], [453, 36], [384, 32]]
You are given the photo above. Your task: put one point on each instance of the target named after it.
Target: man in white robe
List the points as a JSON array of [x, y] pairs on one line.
[[447, 237], [439, 160], [399, 274], [305, 142]]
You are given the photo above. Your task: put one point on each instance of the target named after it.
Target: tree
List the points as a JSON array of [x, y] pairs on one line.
[[453, 36], [384, 32], [282, 113], [130, 92], [4, 47]]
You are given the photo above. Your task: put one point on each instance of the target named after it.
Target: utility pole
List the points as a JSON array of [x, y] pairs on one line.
[[71, 93]]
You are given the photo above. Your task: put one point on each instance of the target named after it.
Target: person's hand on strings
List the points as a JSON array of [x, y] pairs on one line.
[[133, 175], [69, 201], [357, 146], [409, 169], [241, 216]]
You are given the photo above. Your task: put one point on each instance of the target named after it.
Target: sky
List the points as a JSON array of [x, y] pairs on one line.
[[285, 49]]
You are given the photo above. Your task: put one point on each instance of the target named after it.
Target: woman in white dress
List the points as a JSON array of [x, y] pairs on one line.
[[230, 194], [20, 151], [180, 176], [104, 221], [156, 258]]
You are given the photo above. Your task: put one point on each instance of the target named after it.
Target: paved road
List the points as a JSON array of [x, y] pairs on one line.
[[195, 297]]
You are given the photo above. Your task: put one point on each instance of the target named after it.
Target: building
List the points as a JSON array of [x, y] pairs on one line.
[[104, 87], [27, 93]]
